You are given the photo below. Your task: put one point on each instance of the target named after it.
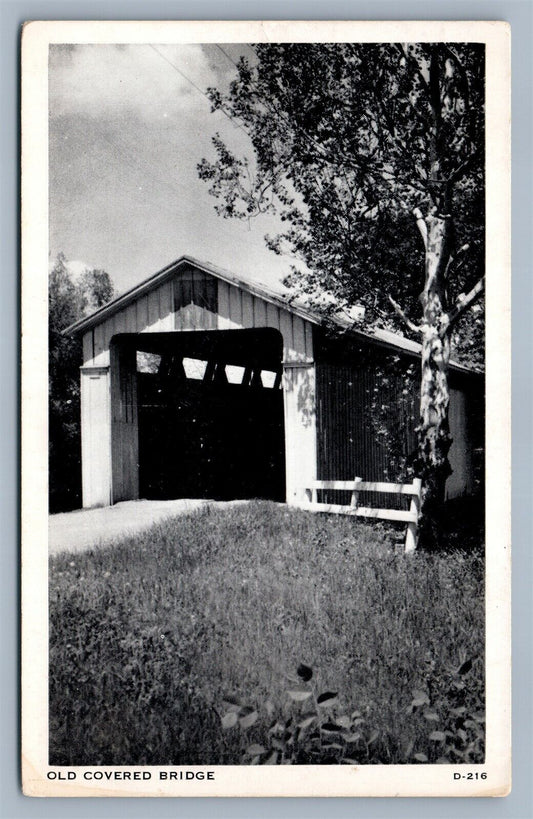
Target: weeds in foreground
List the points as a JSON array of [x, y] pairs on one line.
[[148, 636], [320, 731]]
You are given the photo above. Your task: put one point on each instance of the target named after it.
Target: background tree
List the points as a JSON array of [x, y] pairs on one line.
[[373, 155], [69, 299]]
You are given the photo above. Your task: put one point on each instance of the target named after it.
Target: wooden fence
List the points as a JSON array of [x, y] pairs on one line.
[[410, 516]]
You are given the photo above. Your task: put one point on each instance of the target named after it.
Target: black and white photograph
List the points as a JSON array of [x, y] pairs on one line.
[[265, 429]]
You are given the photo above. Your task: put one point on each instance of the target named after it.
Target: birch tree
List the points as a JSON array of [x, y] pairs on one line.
[[372, 155]]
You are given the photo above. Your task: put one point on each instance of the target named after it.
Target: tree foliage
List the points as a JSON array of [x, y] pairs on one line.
[[373, 157], [69, 299], [348, 140]]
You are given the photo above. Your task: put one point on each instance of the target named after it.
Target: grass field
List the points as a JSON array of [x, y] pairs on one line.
[[181, 645]]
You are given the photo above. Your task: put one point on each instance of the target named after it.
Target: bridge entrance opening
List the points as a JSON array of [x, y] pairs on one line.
[[210, 414]]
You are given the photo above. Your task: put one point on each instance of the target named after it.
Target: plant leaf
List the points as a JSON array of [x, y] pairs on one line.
[[431, 715], [232, 704], [327, 698], [307, 721], [437, 736], [418, 701], [229, 719], [331, 727], [465, 668], [373, 736], [305, 672], [351, 737], [299, 696], [248, 719], [255, 749], [420, 757]]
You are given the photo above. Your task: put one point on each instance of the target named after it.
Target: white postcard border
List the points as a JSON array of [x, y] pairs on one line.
[[405, 780]]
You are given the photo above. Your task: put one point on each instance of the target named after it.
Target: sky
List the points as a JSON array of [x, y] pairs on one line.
[[127, 128]]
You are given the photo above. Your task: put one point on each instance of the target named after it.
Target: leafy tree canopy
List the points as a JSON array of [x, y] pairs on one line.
[[373, 155], [349, 140]]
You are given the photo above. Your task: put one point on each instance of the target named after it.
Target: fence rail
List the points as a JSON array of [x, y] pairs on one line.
[[356, 486]]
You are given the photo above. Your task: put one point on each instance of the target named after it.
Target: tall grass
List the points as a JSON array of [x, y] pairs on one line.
[[148, 636]]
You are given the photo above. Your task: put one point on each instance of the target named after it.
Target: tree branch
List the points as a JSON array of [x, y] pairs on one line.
[[404, 51], [422, 227], [465, 301], [465, 166], [402, 314]]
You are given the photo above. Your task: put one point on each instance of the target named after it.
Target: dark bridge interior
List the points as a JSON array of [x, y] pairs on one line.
[[210, 407]]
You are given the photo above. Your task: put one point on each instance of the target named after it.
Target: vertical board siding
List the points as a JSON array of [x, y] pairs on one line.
[[300, 430], [166, 308], [109, 331], [286, 330], [119, 320], [235, 307], [185, 318], [247, 309], [195, 301], [101, 348], [349, 401], [95, 437], [142, 314], [308, 340], [272, 316], [87, 345], [124, 426], [260, 312], [153, 310], [223, 306], [461, 481], [298, 332], [131, 318], [355, 404]]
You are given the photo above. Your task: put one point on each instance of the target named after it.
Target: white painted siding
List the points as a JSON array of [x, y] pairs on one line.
[[239, 310], [300, 429], [154, 312], [95, 436], [87, 344]]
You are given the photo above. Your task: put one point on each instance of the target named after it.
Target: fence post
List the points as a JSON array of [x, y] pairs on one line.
[[355, 494], [411, 536], [314, 495]]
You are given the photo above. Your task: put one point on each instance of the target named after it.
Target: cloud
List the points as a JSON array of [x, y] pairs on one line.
[[114, 81]]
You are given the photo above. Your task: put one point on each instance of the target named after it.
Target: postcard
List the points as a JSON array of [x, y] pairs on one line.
[[266, 409]]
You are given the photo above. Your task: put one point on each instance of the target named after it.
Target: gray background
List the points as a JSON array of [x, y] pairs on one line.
[[519, 805]]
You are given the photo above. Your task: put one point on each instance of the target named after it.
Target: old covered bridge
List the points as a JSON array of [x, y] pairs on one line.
[[196, 384]]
